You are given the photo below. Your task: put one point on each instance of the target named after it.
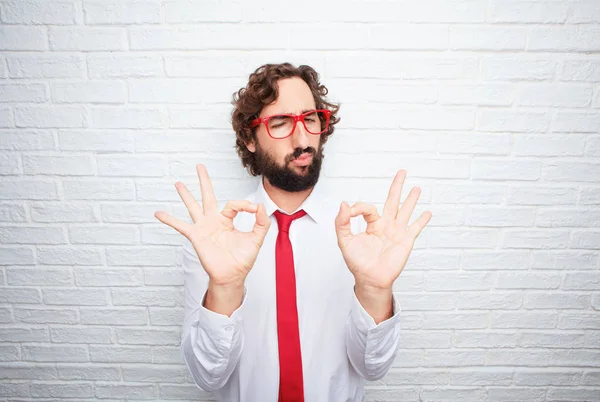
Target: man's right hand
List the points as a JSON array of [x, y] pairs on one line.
[[226, 254]]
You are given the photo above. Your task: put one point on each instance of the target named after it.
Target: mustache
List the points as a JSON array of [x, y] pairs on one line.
[[299, 151]]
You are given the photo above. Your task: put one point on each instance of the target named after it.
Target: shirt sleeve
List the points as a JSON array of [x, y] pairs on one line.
[[211, 343], [372, 347]]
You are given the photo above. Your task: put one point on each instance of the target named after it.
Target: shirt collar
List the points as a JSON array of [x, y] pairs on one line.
[[313, 204]]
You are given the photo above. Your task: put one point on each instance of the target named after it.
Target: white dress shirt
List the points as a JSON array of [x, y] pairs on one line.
[[237, 356]]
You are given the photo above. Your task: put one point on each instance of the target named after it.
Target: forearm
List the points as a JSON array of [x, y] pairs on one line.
[[224, 299], [377, 302]]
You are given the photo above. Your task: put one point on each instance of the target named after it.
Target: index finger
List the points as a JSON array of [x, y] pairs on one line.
[[209, 201], [390, 208]]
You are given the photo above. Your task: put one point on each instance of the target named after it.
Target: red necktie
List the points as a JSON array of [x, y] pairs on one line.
[[291, 387]]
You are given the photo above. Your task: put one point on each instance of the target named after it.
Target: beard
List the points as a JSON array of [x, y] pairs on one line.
[[284, 177]]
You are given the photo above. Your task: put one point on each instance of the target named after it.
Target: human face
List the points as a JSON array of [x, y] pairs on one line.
[[292, 163]]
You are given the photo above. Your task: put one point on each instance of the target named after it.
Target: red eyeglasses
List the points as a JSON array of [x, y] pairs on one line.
[[281, 126]]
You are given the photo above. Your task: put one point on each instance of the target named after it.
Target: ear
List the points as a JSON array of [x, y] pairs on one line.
[[251, 146]]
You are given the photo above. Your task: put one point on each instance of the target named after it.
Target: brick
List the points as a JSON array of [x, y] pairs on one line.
[[62, 212], [135, 118], [539, 195], [96, 140], [495, 301], [103, 234], [32, 235], [499, 217], [182, 391], [437, 358], [6, 117], [548, 377], [535, 239], [117, 12], [35, 189], [14, 390], [132, 212], [556, 95], [571, 171], [456, 238], [128, 391], [88, 373], [33, 93], [177, 12], [163, 277], [142, 256], [215, 117], [467, 281], [379, 36], [107, 277], [166, 355], [89, 92], [15, 295], [495, 169], [123, 65], [510, 68], [80, 335], [26, 140], [592, 146], [579, 320], [154, 373], [570, 357], [79, 256], [552, 301], [38, 276], [10, 164], [175, 141], [464, 37], [584, 11], [121, 354], [589, 195], [46, 316], [50, 116], [79, 390], [16, 256], [39, 12], [486, 260], [581, 281], [567, 218], [563, 259], [579, 394], [581, 70], [549, 145], [518, 319], [27, 334], [45, 65], [114, 316], [468, 194], [138, 166], [23, 38], [522, 280], [87, 39], [166, 316], [251, 36], [62, 353], [496, 120], [164, 297], [482, 376], [528, 11], [25, 371], [80, 297], [576, 122], [148, 336], [99, 189], [575, 38], [12, 213], [59, 165]]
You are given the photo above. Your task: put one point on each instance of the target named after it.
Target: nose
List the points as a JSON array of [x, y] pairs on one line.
[[300, 137]]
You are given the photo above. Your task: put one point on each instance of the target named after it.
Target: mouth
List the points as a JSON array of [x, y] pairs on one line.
[[303, 160]]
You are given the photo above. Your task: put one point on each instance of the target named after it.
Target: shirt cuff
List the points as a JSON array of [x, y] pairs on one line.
[[365, 323], [218, 324]]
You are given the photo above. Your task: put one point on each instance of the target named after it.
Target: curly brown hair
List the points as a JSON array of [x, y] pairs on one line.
[[260, 91]]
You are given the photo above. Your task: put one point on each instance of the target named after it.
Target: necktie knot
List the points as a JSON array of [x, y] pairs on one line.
[[284, 221]]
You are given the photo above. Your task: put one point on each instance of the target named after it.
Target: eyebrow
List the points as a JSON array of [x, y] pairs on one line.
[[304, 111]]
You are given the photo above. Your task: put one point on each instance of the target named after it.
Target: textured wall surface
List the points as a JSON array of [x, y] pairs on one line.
[[492, 106]]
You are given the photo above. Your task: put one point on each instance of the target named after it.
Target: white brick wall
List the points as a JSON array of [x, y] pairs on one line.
[[493, 107]]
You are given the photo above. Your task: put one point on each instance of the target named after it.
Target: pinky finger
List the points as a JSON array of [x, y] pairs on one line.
[[179, 225], [417, 226]]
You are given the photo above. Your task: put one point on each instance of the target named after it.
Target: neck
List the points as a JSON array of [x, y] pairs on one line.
[[285, 200]]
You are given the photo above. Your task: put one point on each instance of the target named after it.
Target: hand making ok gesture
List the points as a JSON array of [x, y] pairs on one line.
[[226, 254], [377, 256]]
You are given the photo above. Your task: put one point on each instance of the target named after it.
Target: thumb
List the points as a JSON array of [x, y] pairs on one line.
[[342, 223], [263, 222]]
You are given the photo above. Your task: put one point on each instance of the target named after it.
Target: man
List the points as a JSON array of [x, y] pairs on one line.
[[284, 302]]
